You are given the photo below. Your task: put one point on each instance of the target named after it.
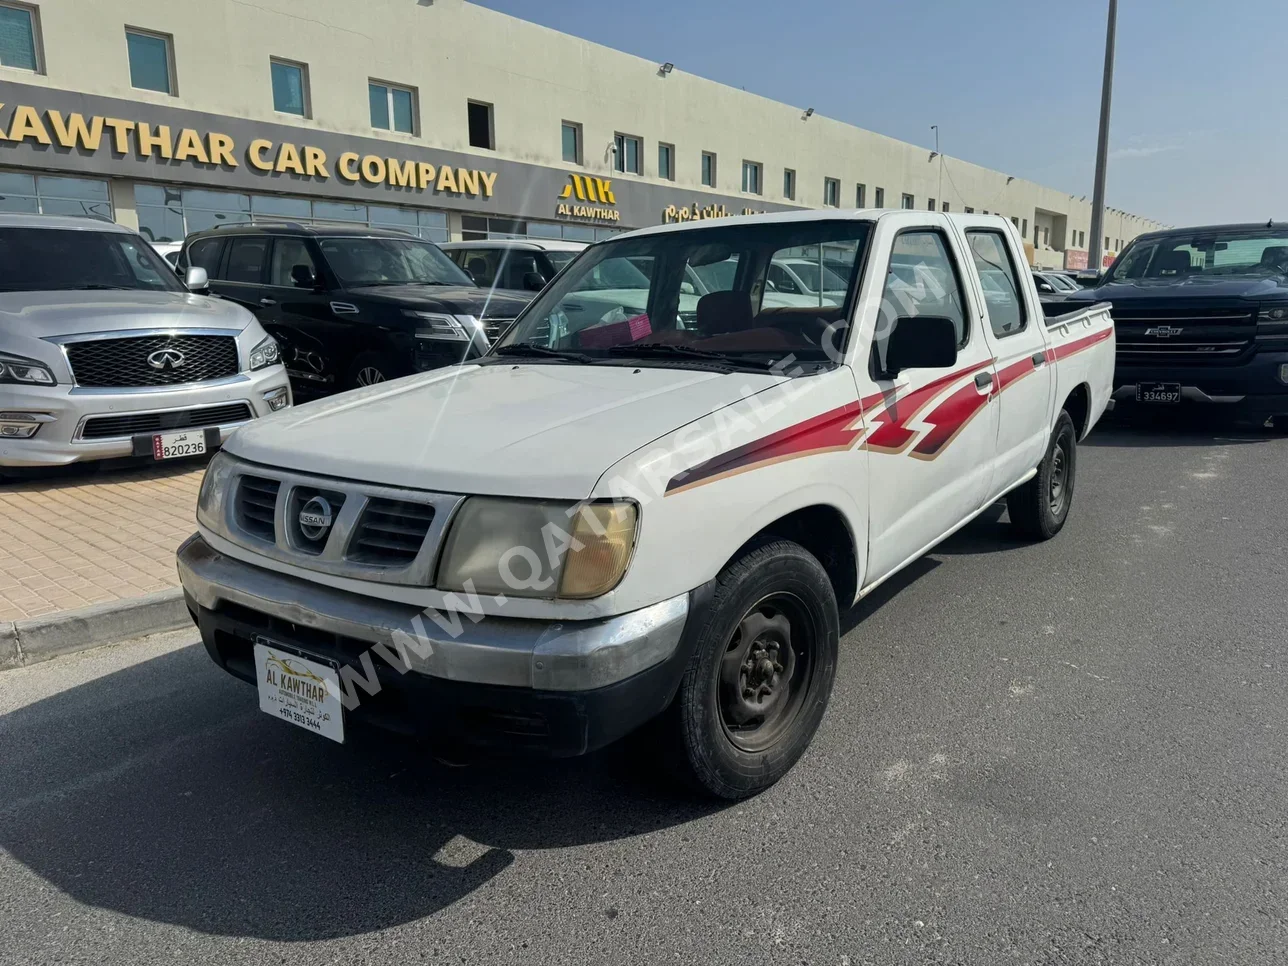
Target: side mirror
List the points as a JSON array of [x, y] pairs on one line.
[[1045, 287], [533, 281], [303, 276], [686, 288], [921, 342], [196, 280]]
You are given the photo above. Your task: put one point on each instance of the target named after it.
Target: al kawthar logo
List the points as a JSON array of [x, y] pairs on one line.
[[584, 187]]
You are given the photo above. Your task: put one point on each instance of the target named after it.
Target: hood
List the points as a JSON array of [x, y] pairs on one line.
[[508, 430], [482, 303], [1252, 287], [41, 315]]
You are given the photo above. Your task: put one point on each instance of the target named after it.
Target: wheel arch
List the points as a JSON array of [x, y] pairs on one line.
[[1078, 405], [823, 530]]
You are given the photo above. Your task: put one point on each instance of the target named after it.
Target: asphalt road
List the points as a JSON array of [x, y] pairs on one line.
[[1050, 754]]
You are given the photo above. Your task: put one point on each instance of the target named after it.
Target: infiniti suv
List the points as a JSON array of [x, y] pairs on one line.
[[104, 352]]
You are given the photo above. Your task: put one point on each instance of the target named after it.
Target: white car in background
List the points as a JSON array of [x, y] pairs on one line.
[[514, 263], [809, 277], [169, 250]]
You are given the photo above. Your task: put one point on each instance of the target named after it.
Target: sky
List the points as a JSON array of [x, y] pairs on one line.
[[1200, 108]]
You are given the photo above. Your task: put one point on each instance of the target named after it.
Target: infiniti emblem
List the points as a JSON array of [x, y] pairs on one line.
[[166, 359], [315, 519]]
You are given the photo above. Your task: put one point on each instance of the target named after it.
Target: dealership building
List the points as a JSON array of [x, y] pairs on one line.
[[437, 117]]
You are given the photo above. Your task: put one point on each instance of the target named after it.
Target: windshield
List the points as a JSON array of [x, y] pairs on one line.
[[639, 294], [1200, 253], [62, 259], [390, 261], [1062, 282], [810, 272], [560, 259]]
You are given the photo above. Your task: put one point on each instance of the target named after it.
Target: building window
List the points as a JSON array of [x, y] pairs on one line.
[[1024, 228], [392, 108], [1106, 243], [789, 184], [860, 196], [51, 195], [19, 37], [482, 133], [831, 193], [1082, 239], [627, 156], [290, 88], [908, 201], [666, 162], [1015, 221], [945, 206], [571, 134], [969, 210], [878, 197], [708, 169], [931, 206], [751, 177], [151, 60]]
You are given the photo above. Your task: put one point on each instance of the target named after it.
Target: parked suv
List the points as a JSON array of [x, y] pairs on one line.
[[526, 264], [352, 306], [104, 352]]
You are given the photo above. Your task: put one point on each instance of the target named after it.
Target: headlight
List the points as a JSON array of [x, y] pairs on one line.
[[530, 548], [214, 491], [1273, 313], [265, 354], [27, 372], [448, 328]]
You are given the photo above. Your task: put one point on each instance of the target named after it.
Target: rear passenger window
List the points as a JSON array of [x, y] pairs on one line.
[[997, 275], [246, 259], [922, 280], [204, 254], [287, 254]]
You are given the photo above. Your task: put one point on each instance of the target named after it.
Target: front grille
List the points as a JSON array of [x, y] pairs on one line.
[[493, 329], [300, 497], [109, 427], [256, 505], [174, 360], [1194, 336], [390, 533]]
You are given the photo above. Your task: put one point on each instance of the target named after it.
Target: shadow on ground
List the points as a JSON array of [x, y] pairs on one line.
[[161, 792], [124, 470], [1186, 425]]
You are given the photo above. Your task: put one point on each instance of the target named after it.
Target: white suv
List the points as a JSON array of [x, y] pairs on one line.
[[104, 352]]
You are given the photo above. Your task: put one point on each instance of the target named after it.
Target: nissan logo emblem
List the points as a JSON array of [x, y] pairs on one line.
[[166, 359], [315, 519]]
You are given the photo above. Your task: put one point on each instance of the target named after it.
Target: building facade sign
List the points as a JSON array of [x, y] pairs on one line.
[[69, 132]]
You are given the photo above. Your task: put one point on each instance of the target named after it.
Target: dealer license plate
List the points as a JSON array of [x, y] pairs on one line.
[[1158, 392], [169, 446], [298, 690]]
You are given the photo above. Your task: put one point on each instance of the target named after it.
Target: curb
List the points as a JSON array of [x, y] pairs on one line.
[[37, 639]]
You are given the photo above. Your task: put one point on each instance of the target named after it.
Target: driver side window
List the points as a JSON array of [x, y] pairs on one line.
[[922, 280]]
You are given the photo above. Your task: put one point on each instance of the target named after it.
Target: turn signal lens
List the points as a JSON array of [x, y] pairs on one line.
[[603, 540]]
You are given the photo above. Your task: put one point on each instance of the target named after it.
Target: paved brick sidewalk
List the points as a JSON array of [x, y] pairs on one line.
[[90, 534]]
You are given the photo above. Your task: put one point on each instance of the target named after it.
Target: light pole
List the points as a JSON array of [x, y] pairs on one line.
[[940, 195], [1102, 144]]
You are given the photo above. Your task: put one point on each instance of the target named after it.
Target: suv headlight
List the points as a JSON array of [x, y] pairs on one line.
[[533, 548], [265, 354], [26, 372], [448, 328]]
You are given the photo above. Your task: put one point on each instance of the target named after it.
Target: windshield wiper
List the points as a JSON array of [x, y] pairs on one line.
[[98, 286], [527, 349], [686, 352]]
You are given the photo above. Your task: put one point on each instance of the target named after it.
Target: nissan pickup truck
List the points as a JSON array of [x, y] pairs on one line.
[[653, 518], [1202, 317]]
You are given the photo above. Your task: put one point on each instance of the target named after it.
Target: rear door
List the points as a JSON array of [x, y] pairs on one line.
[[931, 433], [1013, 324], [241, 274]]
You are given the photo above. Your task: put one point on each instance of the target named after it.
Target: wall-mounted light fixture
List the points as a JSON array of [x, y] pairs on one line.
[[809, 112], [666, 68]]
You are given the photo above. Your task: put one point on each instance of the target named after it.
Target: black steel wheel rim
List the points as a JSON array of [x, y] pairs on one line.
[[766, 672], [1059, 477]]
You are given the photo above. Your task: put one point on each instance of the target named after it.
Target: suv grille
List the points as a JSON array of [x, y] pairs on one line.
[[390, 532], [1183, 336], [256, 505], [118, 363], [109, 427]]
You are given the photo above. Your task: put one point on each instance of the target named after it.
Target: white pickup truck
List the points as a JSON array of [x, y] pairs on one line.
[[650, 516]]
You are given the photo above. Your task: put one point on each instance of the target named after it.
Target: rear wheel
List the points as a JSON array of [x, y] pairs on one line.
[[1039, 508], [761, 674]]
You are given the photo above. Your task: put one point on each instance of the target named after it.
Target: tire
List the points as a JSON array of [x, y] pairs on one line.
[[761, 673], [1039, 508], [369, 369]]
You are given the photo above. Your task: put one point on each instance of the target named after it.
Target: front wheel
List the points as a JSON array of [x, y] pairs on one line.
[[761, 674], [368, 370], [1039, 508]]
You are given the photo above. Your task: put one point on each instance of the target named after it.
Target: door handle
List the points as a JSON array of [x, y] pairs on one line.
[[267, 301], [983, 380], [1038, 359]]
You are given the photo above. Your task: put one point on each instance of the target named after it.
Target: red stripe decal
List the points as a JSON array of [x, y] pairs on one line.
[[891, 432], [949, 418], [1077, 345]]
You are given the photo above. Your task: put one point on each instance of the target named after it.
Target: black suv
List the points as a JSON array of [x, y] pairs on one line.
[[351, 306]]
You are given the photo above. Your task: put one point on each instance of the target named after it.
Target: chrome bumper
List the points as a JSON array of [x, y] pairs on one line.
[[543, 655]]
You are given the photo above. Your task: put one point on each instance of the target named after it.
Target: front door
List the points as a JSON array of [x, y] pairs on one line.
[[299, 314], [930, 432], [1015, 327]]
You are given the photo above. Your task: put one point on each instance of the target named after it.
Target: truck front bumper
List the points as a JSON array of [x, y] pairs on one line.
[[1257, 389], [459, 679]]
